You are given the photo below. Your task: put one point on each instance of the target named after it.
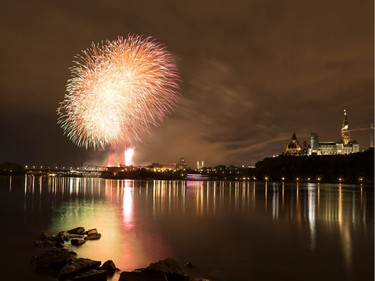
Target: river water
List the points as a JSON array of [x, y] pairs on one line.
[[228, 230]]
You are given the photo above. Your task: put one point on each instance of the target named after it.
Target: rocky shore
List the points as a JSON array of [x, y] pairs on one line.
[[55, 259]]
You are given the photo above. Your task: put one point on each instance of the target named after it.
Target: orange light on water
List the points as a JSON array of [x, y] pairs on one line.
[[128, 205]]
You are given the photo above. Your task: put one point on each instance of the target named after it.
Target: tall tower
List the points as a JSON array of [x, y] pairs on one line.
[[345, 133], [314, 143]]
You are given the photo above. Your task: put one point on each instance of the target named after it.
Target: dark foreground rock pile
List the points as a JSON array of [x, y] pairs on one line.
[[55, 259]]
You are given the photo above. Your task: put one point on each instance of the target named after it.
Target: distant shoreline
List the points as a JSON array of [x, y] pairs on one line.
[[352, 168]]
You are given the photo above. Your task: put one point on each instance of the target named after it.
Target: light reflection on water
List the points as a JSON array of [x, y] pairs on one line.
[[144, 221]]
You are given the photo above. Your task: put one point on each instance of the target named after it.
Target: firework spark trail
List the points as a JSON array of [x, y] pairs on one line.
[[118, 90]]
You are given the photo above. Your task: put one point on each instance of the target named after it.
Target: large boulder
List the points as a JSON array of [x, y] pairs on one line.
[[76, 266], [93, 236], [110, 267], [90, 231], [77, 241], [171, 270], [77, 230], [66, 236], [167, 266], [51, 261]]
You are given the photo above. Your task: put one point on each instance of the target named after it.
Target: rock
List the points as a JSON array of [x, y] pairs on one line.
[[167, 266], [48, 244], [90, 275], [77, 265], [66, 236], [52, 260], [170, 268], [77, 230], [58, 239], [142, 276], [44, 244], [49, 237], [90, 231], [72, 236], [109, 266], [93, 236], [59, 245], [45, 236], [77, 241]]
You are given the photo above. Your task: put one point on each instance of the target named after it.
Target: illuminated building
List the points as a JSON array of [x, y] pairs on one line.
[[344, 146], [157, 167], [182, 164], [293, 147], [200, 165]]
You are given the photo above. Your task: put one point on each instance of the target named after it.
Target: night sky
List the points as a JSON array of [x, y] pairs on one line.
[[251, 72]]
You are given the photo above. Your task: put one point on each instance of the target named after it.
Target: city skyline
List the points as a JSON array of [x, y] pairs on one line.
[[251, 72]]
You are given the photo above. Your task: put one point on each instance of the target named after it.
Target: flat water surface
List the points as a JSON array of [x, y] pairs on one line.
[[228, 230]]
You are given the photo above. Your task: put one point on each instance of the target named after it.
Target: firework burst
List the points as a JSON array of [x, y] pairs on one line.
[[117, 91]]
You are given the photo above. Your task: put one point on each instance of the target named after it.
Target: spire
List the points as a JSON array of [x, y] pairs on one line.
[[294, 134], [345, 133], [345, 124], [293, 147]]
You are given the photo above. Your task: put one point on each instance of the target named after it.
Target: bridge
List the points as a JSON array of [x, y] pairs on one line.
[[84, 171]]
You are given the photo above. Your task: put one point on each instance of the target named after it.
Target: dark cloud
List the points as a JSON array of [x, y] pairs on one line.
[[251, 72]]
